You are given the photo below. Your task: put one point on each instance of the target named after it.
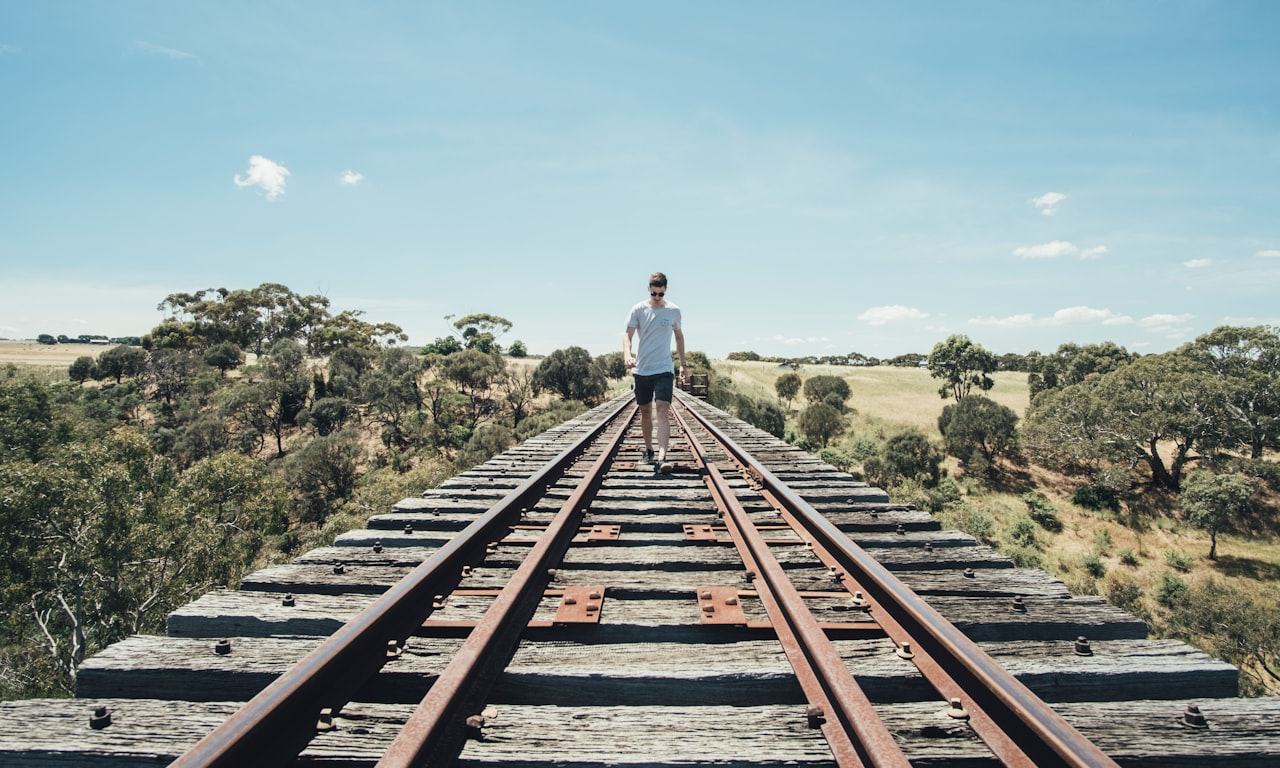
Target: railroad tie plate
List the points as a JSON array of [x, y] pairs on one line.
[[580, 605], [720, 605], [599, 533], [699, 532]]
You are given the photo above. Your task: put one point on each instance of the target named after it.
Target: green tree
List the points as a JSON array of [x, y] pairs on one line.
[[1215, 502], [443, 347], [612, 365], [81, 370], [324, 472], [1245, 362], [962, 365], [473, 373], [394, 395], [346, 329], [821, 389], [482, 330], [119, 362], [572, 374], [907, 455], [821, 422], [224, 356], [518, 349], [788, 386], [978, 427]]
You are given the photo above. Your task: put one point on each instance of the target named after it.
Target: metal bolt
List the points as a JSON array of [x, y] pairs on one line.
[[222, 647], [1191, 718], [437, 603], [475, 727], [394, 650], [325, 721], [928, 546], [473, 487], [377, 547], [969, 573], [956, 710], [874, 514], [706, 594], [408, 529], [905, 652], [100, 718], [901, 529], [1018, 604], [288, 601], [339, 568], [814, 716], [1082, 646]]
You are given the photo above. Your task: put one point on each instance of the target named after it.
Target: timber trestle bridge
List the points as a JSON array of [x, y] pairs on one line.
[[565, 605]]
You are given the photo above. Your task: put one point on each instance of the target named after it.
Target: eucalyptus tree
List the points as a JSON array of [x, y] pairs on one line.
[[962, 365]]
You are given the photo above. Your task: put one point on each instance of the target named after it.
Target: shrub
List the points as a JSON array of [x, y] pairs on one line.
[[1023, 532], [1128, 558], [1102, 542], [1172, 590], [1124, 593], [1178, 561], [1096, 496], [1042, 511], [1094, 566], [1025, 557]]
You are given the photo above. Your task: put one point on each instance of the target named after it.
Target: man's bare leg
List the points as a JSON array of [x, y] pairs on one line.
[[646, 427], [662, 410]]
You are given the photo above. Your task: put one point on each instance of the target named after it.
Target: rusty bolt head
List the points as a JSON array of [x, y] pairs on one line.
[[1018, 604], [377, 547], [324, 722], [1082, 646], [594, 595], [339, 569], [705, 595], [874, 514], [395, 650], [475, 727], [905, 652], [100, 718], [569, 600], [814, 716], [222, 647], [969, 573], [289, 601], [408, 529], [1192, 718]]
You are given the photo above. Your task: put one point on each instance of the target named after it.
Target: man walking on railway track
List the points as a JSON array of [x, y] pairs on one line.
[[654, 322]]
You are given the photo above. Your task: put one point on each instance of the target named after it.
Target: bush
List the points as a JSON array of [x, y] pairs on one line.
[[1178, 561], [1025, 557], [1128, 558], [1043, 512], [1172, 591], [1125, 593], [1094, 566], [1096, 496], [1023, 532]]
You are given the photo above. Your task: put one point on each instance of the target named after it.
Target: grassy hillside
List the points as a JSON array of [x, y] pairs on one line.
[[1144, 558]]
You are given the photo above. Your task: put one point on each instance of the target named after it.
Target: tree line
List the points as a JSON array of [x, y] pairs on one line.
[[247, 425]]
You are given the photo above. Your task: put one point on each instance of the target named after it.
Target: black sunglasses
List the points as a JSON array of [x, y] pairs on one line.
[[658, 293]]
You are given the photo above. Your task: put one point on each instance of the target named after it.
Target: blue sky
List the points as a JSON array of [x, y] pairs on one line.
[[815, 178]]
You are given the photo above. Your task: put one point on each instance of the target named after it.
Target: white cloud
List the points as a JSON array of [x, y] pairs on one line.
[[1197, 263], [264, 173], [1082, 315], [890, 314], [1271, 253], [160, 50], [1047, 250], [1096, 252], [1012, 321], [1173, 326], [7, 49], [1048, 202], [350, 178]]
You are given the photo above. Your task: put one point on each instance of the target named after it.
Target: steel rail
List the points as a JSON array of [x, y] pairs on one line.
[[1019, 727], [433, 735], [274, 726], [854, 731]]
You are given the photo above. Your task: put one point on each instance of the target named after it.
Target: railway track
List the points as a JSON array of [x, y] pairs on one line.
[[563, 604]]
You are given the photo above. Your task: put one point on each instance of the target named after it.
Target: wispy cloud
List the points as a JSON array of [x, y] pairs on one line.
[[7, 49], [1271, 253], [264, 173], [350, 178], [151, 49], [1048, 202], [1050, 250], [891, 314], [1066, 316], [1056, 248], [1197, 263], [1172, 326], [794, 340]]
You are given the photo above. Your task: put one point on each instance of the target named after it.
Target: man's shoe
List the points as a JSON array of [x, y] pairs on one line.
[[648, 457], [663, 465]]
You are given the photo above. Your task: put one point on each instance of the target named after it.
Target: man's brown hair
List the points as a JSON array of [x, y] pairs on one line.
[[658, 280]]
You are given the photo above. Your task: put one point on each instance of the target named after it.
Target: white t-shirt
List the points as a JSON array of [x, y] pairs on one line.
[[654, 326]]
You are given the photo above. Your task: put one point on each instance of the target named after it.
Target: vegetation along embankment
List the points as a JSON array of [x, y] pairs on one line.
[[253, 424]]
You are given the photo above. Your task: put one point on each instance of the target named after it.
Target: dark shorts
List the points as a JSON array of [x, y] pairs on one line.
[[659, 386]]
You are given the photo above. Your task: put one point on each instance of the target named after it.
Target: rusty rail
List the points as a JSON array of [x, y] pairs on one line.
[[274, 726], [1018, 726], [856, 734]]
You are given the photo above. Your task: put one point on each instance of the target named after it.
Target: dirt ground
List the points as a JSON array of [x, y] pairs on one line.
[[51, 355]]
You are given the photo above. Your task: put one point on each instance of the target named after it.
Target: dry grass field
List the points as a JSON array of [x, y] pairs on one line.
[[33, 354]]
